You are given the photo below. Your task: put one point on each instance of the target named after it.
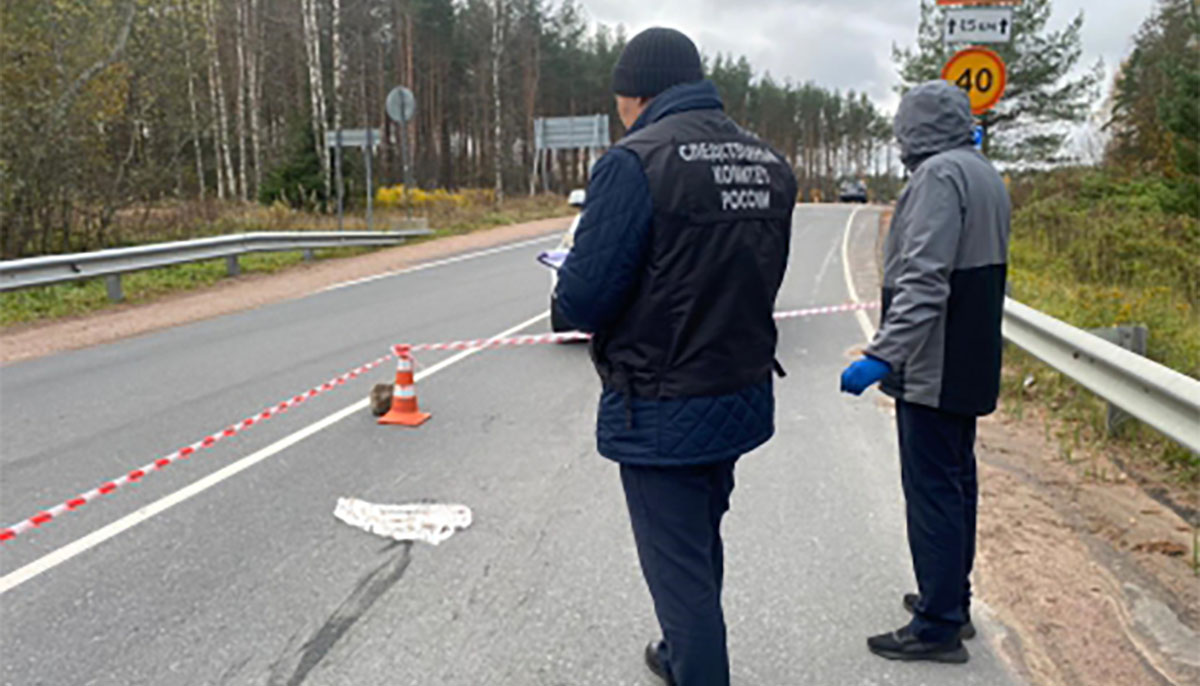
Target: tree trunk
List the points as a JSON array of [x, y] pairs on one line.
[[497, 101], [215, 113], [222, 110], [255, 92], [240, 100], [191, 87], [339, 63], [316, 88], [410, 78], [532, 77]]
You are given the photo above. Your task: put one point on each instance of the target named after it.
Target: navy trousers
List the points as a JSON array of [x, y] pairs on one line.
[[676, 515], [941, 494]]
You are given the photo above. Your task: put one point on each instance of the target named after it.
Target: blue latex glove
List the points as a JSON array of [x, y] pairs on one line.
[[863, 374]]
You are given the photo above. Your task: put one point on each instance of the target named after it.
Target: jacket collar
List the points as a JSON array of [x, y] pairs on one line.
[[686, 97]]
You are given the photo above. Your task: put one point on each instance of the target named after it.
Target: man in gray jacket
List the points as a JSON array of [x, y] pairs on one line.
[[937, 353]]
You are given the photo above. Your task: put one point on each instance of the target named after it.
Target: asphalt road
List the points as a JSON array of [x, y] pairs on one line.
[[253, 581]]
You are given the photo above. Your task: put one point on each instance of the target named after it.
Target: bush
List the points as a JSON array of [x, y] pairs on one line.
[[398, 197], [1098, 250], [296, 182]]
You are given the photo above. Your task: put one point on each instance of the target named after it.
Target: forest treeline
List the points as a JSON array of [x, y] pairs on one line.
[[110, 105], [1155, 109]]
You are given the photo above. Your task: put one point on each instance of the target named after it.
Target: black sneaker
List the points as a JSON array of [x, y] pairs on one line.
[[655, 664], [903, 645], [966, 633]]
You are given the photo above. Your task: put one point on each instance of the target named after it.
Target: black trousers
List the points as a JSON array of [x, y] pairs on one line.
[[676, 515], [941, 494]]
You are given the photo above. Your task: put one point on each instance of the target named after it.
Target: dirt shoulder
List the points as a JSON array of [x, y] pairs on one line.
[[28, 341], [1090, 575]]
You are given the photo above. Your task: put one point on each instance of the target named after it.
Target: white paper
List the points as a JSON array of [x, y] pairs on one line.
[[428, 522]]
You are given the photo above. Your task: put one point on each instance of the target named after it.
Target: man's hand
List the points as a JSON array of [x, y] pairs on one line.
[[863, 374]]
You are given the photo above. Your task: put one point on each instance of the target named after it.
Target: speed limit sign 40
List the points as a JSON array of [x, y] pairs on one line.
[[981, 73]]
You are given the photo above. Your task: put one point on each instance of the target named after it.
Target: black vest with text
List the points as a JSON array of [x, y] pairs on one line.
[[700, 322]]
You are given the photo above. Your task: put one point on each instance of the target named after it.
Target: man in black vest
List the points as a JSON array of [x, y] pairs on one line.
[[677, 261]]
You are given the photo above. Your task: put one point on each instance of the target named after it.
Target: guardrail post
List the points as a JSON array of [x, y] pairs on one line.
[[1134, 339], [112, 282], [232, 266], [309, 256]]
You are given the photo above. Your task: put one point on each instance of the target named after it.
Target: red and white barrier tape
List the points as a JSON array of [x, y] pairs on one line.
[[832, 309], [184, 453], [550, 338], [137, 475]]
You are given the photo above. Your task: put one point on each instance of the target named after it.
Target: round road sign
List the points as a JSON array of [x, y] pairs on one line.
[[981, 73], [401, 105]]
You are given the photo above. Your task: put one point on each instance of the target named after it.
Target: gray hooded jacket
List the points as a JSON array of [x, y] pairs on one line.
[[945, 261]]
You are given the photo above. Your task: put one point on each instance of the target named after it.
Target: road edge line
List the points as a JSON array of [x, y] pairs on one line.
[[441, 262], [864, 322]]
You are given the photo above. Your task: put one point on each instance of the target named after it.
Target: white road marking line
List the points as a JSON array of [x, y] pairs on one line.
[[442, 263], [51, 560], [864, 322]]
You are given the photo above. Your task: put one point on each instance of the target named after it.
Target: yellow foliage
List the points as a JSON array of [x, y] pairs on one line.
[[400, 197]]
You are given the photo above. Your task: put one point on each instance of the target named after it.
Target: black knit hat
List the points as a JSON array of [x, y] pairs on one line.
[[655, 60]]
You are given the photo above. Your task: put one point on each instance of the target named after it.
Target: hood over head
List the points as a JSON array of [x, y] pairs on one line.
[[933, 117]]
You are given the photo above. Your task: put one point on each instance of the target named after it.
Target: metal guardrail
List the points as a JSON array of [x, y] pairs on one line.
[[51, 269], [1161, 397]]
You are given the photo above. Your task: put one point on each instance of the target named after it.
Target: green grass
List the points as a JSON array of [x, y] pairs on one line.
[[85, 297], [1097, 250]]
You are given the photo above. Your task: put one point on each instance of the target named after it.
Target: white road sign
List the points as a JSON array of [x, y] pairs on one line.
[[354, 138], [566, 133], [979, 24]]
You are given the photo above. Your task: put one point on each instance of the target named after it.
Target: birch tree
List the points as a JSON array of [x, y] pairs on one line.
[[339, 63], [193, 107], [254, 88], [214, 112], [316, 88], [217, 84], [240, 100], [338, 74]]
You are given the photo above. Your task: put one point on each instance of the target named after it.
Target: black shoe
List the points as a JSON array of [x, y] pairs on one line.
[[903, 645], [966, 633], [655, 664]]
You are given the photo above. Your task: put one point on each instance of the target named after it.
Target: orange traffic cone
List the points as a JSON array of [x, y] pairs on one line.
[[404, 400]]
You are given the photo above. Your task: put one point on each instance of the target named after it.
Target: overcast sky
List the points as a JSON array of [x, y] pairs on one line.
[[842, 43]]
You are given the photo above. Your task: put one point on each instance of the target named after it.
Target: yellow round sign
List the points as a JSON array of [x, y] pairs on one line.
[[981, 73]]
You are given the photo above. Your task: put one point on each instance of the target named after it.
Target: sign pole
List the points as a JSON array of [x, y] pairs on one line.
[[401, 107], [368, 153], [404, 168]]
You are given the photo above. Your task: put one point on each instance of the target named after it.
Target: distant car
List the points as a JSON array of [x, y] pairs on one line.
[[853, 191], [555, 258]]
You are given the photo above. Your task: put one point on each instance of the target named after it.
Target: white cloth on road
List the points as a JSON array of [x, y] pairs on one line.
[[431, 523]]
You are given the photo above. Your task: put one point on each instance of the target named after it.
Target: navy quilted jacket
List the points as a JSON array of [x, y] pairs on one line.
[[594, 288]]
